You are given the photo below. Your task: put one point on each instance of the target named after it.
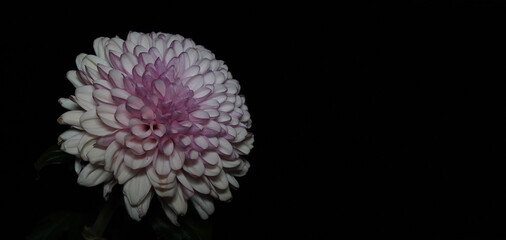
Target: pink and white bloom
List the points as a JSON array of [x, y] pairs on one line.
[[160, 116]]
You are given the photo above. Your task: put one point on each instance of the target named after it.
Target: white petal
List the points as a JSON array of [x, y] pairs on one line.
[[70, 145], [232, 181], [212, 112], [241, 169], [182, 179], [116, 76], [71, 118], [169, 55], [85, 145], [226, 107], [202, 92], [232, 87], [84, 97], [205, 203], [214, 141], [111, 150], [220, 77], [220, 181], [159, 86], [209, 78], [92, 124], [84, 61], [212, 171], [190, 72], [160, 45], [188, 43], [168, 147], [178, 203], [137, 188], [67, 135], [204, 66], [78, 167], [72, 77], [192, 53], [68, 104], [96, 156], [123, 173], [194, 167], [199, 184], [103, 95], [107, 113], [200, 114], [201, 142], [178, 48], [177, 159], [212, 103], [231, 163], [225, 147], [214, 126], [202, 213], [211, 157], [240, 134], [138, 211], [169, 212], [108, 187], [128, 61], [165, 182], [92, 175], [224, 194], [162, 164], [99, 47], [243, 148], [135, 161]]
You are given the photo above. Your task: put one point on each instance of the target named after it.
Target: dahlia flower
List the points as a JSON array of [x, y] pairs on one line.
[[160, 116]]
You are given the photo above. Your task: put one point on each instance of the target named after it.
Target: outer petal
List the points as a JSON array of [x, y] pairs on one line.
[[84, 97], [169, 212], [203, 204], [71, 118], [93, 125], [92, 175], [138, 211], [137, 188], [68, 104], [72, 77]]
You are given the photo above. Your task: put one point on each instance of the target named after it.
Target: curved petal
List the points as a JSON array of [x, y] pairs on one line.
[[169, 212], [162, 164], [107, 113], [194, 167], [109, 154], [84, 97], [136, 212], [92, 175], [135, 161], [92, 124], [73, 79], [203, 204], [137, 188], [177, 159], [71, 118], [68, 104]]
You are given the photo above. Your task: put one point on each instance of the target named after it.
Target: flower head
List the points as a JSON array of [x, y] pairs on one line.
[[160, 115]]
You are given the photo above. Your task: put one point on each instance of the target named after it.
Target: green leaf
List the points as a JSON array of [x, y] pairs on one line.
[[52, 156], [59, 225]]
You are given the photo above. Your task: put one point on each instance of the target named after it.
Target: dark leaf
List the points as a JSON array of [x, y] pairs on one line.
[[51, 156]]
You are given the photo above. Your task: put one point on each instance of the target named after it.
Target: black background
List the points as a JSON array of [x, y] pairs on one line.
[[372, 120]]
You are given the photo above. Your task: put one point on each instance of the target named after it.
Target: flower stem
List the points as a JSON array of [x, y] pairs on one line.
[[104, 216]]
